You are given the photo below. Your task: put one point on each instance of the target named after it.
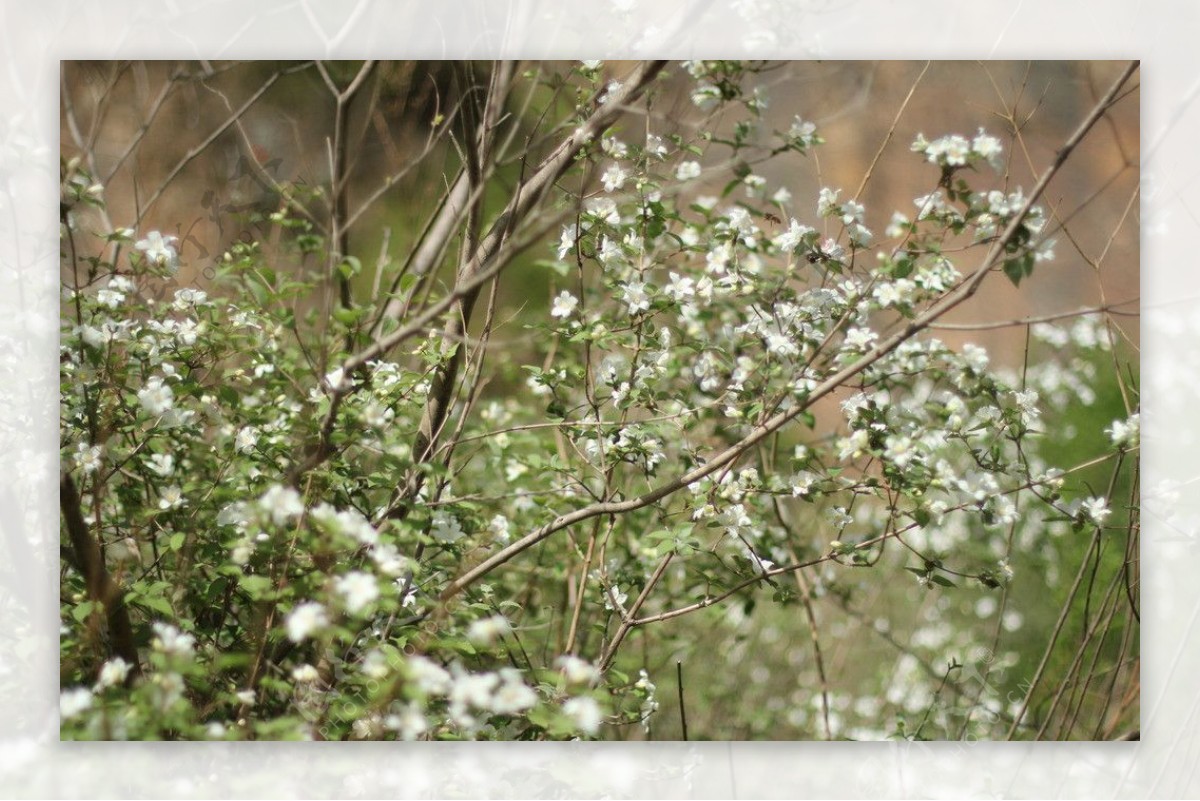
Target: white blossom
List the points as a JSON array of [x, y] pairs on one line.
[[585, 714], [305, 674], [578, 671], [445, 528], [171, 640], [87, 457], [281, 504], [487, 630], [358, 589], [161, 464], [159, 249], [73, 702], [305, 619], [1125, 433], [687, 170], [156, 397], [564, 305], [614, 178], [112, 673], [1096, 510], [635, 295]]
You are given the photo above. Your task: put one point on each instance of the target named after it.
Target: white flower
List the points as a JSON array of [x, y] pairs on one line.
[[634, 294], [790, 239], [609, 91], [156, 397], [445, 528], [832, 249], [975, 357], [112, 673], [585, 714], [987, 147], [367, 728], [409, 723], [171, 640], [171, 498], [470, 691], [281, 503], [564, 305], [860, 338], [1125, 433], [375, 664], [781, 344], [247, 697], [1096, 509], [853, 446], [359, 590], [802, 133], [335, 380], [120, 283], [754, 184], [305, 674], [900, 450], [185, 298], [376, 415], [304, 619], [499, 527], [852, 212], [512, 697], [162, 464], [687, 171], [246, 439], [87, 457], [566, 241], [679, 288], [1027, 403], [158, 249], [827, 201], [1006, 571], [705, 96], [390, 562], [949, 151], [578, 671], [613, 178], [894, 293], [486, 631], [109, 298], [214, 730], [614, 147], [655, 146], [603, 210], [74, 701], [802, 484], [614, 598], [430, 677]]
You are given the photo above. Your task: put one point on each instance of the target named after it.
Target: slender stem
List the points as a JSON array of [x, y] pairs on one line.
[[682, 710]]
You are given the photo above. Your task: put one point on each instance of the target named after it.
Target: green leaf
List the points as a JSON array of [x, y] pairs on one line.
[[347, 317], [83, 610], [560, 267], [155, 603], [256, 586]]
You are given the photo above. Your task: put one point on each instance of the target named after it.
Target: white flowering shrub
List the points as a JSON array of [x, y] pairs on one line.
[[307, 498]]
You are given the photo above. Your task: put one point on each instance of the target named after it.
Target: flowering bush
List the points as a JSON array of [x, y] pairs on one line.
[[294, 507]]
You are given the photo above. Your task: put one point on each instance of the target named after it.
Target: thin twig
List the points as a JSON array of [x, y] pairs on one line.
[[682, 710]]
